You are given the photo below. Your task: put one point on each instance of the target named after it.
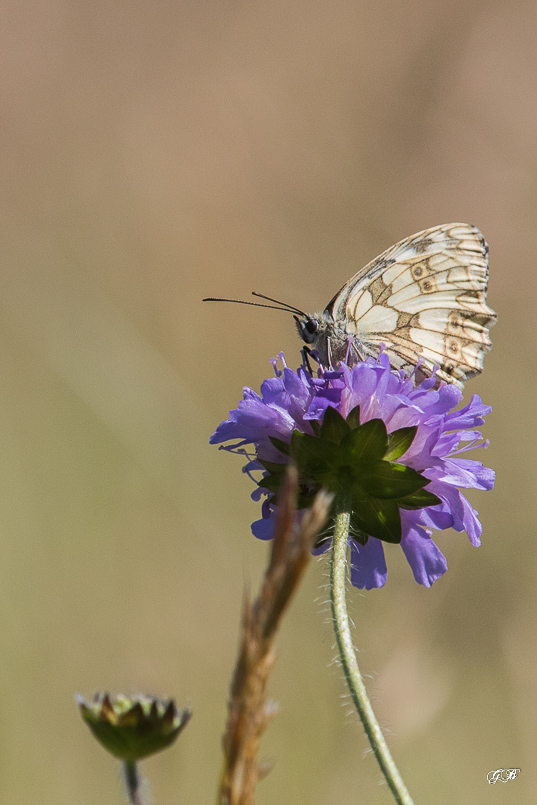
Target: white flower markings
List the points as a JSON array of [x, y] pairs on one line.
[[501, 775]]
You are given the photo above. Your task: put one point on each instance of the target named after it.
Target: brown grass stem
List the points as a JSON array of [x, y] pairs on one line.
[[249, 712]]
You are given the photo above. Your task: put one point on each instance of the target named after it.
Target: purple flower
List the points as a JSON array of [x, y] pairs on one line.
[[423, 417]]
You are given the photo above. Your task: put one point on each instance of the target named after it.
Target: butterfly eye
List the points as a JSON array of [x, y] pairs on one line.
[[307, 328]]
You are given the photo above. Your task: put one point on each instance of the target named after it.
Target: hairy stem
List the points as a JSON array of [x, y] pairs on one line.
[[347, 653]]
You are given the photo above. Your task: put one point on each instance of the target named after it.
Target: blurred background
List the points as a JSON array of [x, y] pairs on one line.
[[153, 153]]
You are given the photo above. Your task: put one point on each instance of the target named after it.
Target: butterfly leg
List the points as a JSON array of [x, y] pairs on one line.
[[306, 352], [329, 352], [354, 350]]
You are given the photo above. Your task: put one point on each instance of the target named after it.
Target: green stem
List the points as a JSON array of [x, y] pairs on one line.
[[353, 677], [132, 781]]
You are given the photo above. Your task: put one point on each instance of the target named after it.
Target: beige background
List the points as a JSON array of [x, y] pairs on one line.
[[153, 153]]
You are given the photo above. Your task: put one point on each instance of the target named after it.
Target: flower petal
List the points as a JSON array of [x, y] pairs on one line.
[[368, 565], [427, 561]]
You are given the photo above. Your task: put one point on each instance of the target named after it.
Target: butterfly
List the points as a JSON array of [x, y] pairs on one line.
[[423, 301]]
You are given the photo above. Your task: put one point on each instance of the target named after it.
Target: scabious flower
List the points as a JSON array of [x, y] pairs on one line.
[[390, 449]]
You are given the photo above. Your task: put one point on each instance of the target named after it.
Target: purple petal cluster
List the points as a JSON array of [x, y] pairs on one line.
[[292, 400]]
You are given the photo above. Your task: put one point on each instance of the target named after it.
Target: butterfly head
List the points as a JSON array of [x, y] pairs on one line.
[[328, 338], [308, 328]]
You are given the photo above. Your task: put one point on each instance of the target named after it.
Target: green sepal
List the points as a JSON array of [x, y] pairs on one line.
[[387, 480], [333, 427], [353, 419], [399, 441], [377, 518], [272, 481], [366, 442], [283, 447], [419, 500], [315, 458], [356, 462], [273, 466]]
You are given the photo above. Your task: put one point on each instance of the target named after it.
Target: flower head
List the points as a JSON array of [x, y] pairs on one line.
[[390, 449], [133, 727]]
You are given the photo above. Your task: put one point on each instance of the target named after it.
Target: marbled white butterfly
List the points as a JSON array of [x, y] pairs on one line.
[[424, 299]]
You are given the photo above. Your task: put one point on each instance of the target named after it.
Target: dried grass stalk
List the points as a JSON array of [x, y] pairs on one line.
[[249, 713]]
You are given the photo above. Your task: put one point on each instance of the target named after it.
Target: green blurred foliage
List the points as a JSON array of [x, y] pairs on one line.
[[155, 153]]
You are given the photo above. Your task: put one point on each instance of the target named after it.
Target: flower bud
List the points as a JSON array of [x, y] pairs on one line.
[[133, 727]]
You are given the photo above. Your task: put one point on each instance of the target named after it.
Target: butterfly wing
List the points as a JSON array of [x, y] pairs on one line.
[[424, 298]]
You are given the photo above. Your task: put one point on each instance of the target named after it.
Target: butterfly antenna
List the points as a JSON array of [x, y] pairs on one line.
[[283, 304], [254, 304]]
